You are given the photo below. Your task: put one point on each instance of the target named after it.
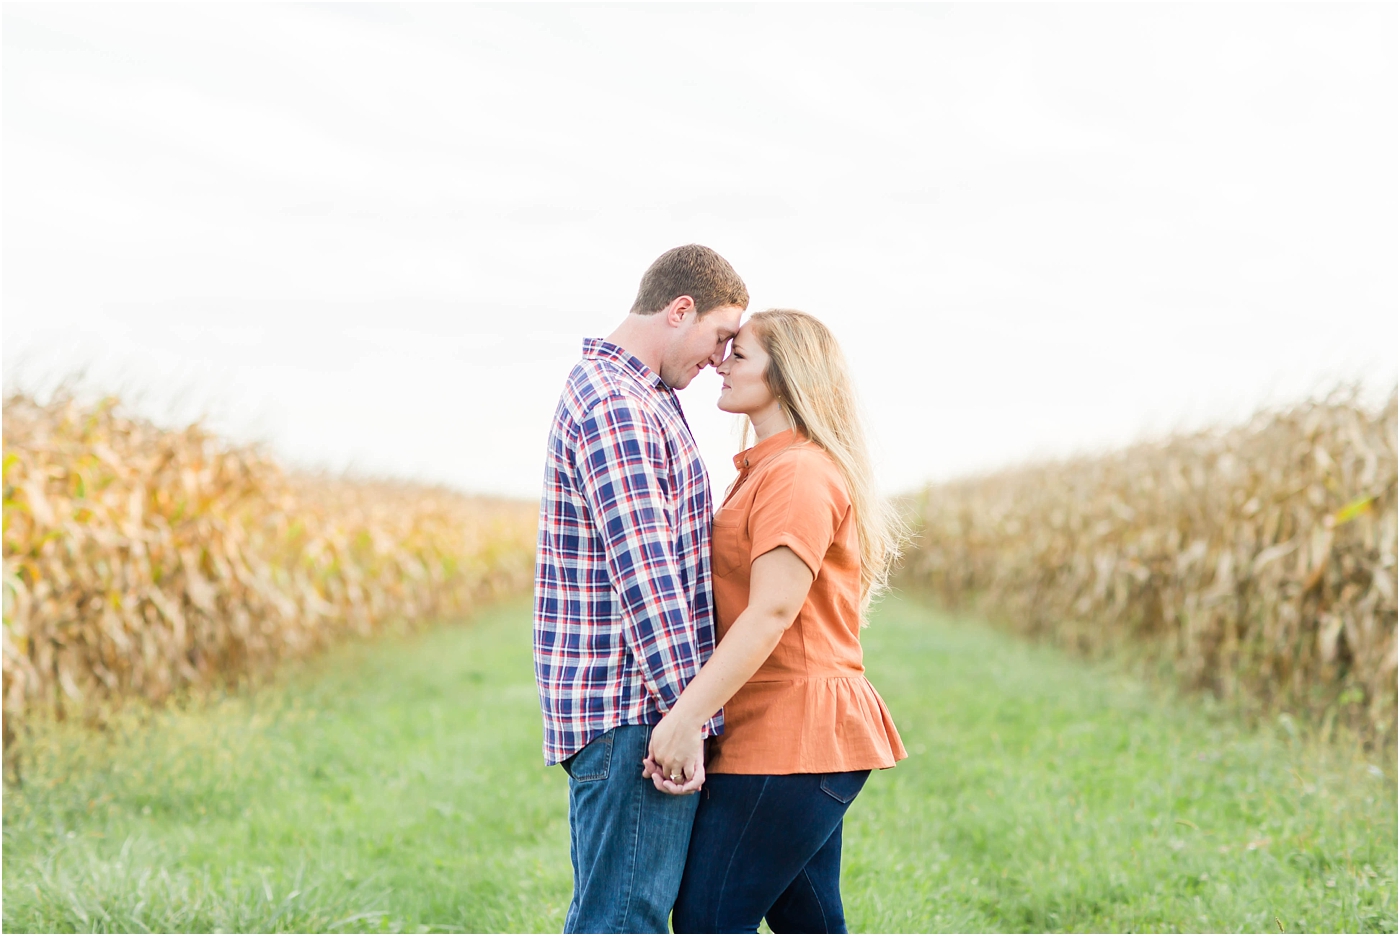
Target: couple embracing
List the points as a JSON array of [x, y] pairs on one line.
[[700, 673]]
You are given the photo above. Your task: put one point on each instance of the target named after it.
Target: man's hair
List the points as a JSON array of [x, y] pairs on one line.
[[694, 271]]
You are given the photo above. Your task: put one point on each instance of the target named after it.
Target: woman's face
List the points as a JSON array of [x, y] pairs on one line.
[[744, 389]]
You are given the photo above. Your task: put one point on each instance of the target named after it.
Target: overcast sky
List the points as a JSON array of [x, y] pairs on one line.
[[374, 236]]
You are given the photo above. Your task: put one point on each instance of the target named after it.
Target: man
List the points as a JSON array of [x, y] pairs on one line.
[[623, 603]]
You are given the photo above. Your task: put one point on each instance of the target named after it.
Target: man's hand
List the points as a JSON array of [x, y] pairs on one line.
[[667, 785], [675, 760]]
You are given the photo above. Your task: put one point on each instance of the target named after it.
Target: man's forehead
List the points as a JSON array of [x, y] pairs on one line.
[[728, 321]]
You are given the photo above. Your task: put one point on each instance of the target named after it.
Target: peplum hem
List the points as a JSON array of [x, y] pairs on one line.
[[817, 724]]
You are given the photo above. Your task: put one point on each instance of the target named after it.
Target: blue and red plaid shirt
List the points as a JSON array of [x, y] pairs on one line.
[[624, 611]]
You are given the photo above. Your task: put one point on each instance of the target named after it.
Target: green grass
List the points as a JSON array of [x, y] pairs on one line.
[[396, 785], [1043, 793]]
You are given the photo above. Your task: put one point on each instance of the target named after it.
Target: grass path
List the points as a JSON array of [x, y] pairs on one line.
[[396, 785]]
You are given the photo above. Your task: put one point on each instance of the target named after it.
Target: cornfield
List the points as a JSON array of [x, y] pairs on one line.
[[1260, 561], [140, 561]]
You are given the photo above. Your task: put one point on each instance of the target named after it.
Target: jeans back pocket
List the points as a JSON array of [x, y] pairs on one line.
[[594, 761], [843, 787]]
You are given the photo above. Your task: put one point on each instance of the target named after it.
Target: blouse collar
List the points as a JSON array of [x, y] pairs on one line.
[[750, 458]]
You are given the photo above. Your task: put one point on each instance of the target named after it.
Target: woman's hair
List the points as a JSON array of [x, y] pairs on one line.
[[807, 374]]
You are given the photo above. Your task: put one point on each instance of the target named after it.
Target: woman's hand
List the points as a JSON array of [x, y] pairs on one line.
[[778, 587], [675, 760], [682, 787]]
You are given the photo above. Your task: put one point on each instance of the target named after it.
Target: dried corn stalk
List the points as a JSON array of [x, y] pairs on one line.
[[1261, 560], [139, 561]]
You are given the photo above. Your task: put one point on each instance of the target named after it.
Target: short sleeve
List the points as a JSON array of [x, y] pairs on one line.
[[799, 503]]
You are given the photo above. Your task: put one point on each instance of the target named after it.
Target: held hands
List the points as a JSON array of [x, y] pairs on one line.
[[675, 760]]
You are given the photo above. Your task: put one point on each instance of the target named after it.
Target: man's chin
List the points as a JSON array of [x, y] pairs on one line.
[[682, 380]]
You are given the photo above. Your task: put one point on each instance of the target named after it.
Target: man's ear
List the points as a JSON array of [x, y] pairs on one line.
[[679, 308]]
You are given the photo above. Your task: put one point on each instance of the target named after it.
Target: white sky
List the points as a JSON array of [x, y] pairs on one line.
[[374, 236]]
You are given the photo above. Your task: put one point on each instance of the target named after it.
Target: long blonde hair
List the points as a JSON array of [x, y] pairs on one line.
[[807, 373]]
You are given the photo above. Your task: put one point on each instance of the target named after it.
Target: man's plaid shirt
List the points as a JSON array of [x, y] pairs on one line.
[[624, 613]]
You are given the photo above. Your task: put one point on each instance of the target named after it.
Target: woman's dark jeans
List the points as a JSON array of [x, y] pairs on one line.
[[767, 846]]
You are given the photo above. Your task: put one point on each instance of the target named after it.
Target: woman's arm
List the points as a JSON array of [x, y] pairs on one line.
[[778, 586]]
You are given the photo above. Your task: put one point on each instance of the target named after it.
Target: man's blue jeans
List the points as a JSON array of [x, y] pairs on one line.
[[628, 841]]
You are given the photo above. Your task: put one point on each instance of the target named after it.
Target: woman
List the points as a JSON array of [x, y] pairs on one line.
[[801, 545]]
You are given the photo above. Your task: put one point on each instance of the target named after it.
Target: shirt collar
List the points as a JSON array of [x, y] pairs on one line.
[[601, 349], [750, 458]]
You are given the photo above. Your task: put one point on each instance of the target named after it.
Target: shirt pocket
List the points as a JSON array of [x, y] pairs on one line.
[[727, 553]]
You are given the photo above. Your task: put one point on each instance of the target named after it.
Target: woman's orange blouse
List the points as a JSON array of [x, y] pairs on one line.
[[809, 708]]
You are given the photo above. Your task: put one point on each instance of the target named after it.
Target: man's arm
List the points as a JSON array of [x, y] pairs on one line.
[[778, 589], [622, 469]]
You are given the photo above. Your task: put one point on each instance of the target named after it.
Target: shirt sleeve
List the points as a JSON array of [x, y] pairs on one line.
[[799, 504], [624, 476]]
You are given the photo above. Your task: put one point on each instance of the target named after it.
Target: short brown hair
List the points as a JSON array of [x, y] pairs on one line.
[[694, 271]]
